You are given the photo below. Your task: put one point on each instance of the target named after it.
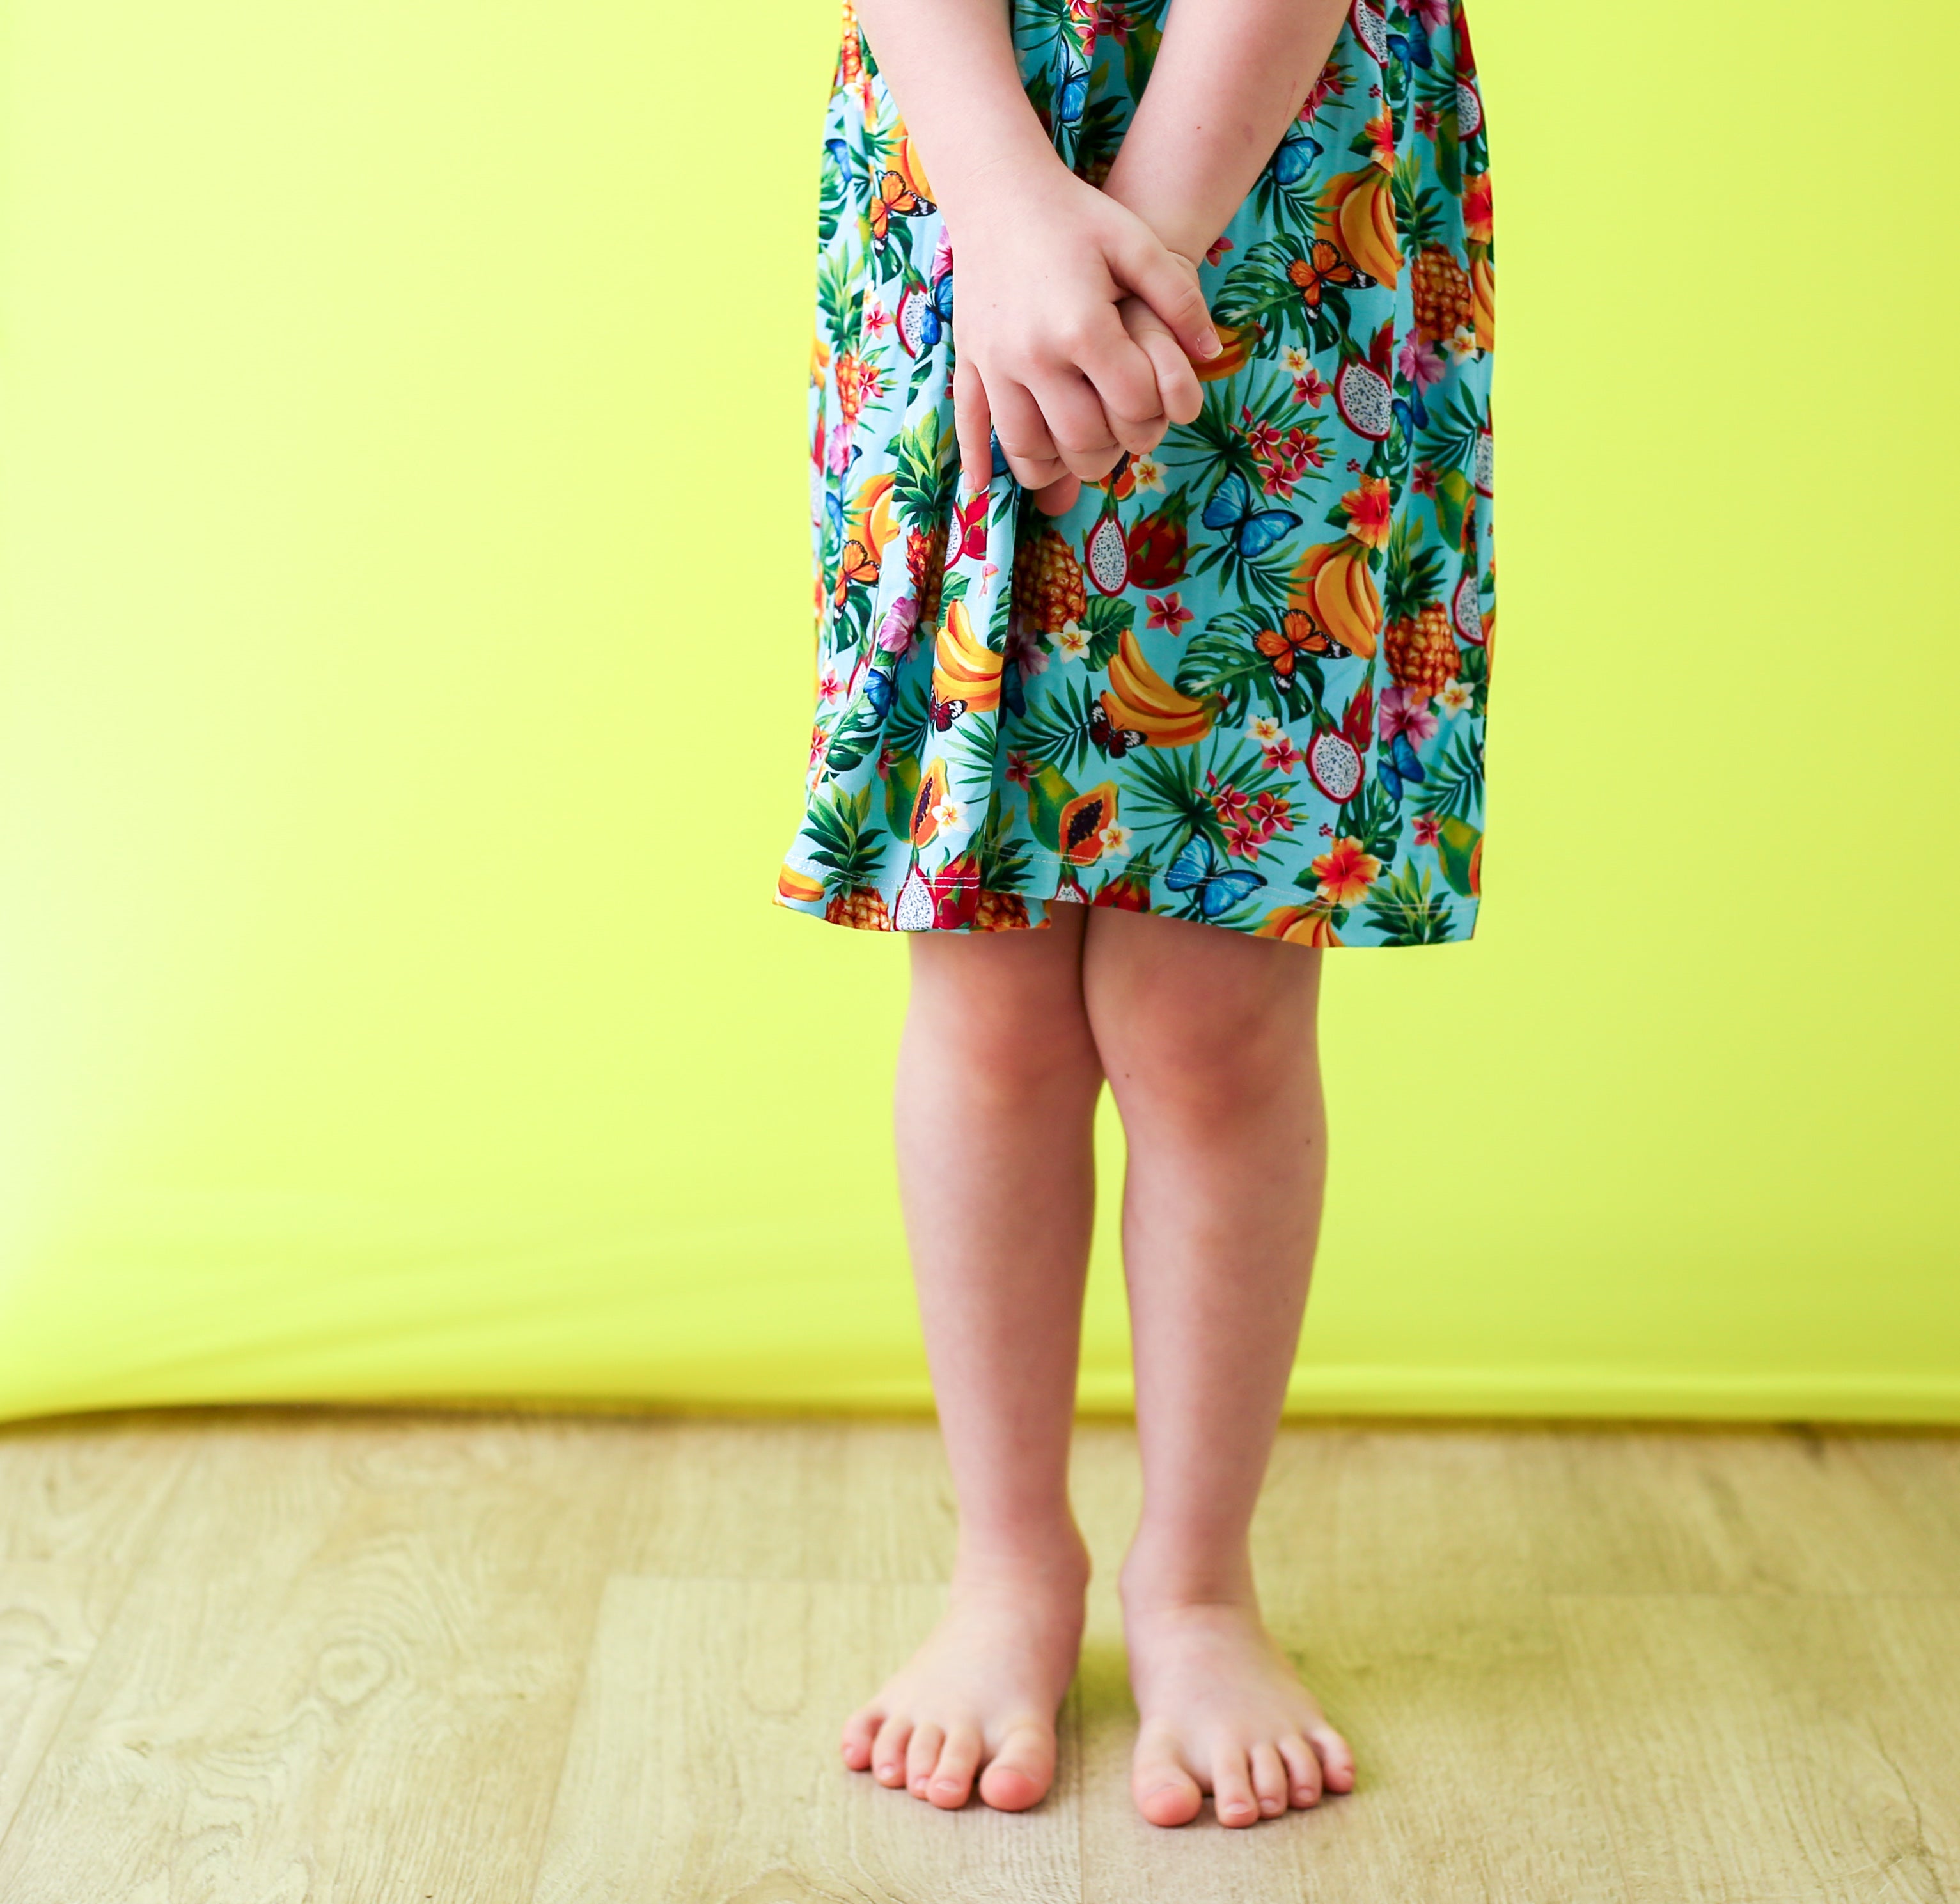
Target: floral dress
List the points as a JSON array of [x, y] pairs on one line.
[[1243, 681]]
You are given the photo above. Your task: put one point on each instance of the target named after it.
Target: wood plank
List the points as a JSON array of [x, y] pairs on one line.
[[52, 1614], [1464, 1727], [1685, 1511], [1755, 1748], [346, 1673], [1921, 1474], [789, 1500], [87, 1489], [704, 1762]]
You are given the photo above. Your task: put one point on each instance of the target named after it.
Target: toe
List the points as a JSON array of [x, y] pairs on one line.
[[1021, 1771], [859, 1730], [1269, 1779], [1337, 1759], [1231, 1787], [1166, 1793], [1303, 1771], [888, 1750], [921, 1755], [951, 1781]]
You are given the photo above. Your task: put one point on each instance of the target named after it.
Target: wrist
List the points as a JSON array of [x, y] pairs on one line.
[[988, 185], [1180, 229]]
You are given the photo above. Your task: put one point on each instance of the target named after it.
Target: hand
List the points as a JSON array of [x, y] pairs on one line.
[[1044, 356], [1177, 389]]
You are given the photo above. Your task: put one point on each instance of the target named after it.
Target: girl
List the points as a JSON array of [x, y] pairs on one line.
[[1126, 722]]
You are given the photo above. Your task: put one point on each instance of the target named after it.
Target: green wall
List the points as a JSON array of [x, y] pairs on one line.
[[406, 679]]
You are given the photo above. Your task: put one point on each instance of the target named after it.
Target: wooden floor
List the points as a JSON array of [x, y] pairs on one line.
[[286, 1658]]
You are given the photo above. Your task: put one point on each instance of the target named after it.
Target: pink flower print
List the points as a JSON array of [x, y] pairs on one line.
[[837, 451], [1282, 754], [1217, 249], [1270, 815], [1229, 804], [1018, 769], [1428, 829], [1167, 611], [1310, 387], [1403, 712], [1422, 364], [1024, 650], [895, 631], [1242, 841]]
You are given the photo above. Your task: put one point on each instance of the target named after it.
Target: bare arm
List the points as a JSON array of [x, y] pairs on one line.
[[1042, 261], [1229, 76]]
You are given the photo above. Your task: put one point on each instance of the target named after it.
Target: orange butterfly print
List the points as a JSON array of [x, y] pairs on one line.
[[1326, 265], [859, 565], [1297, 634], [900, 193]]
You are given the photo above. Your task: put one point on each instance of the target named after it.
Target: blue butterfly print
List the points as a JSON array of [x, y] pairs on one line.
[[1254, 530], [1399, 767], [1413, 46], [1071, 91], [1296, 155], [877, 688], [938, 317], [1217, 887]]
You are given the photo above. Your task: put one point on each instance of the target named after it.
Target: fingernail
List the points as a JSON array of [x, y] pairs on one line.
[[1209, 344]]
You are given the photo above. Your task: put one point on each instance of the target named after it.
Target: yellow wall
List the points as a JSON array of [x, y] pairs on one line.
[[405, 680]]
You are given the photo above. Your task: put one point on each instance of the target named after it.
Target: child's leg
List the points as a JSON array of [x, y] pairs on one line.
[[1207, 1036], [997, 1088]]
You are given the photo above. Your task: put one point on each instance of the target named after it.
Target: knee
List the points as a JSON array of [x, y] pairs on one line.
[[1006, 1043], [1210, 1063]]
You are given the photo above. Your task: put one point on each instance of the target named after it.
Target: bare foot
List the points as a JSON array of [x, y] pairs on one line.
[[1223, 1712], [980, 1696]]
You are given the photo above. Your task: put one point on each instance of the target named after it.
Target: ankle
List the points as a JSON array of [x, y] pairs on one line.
[[1168, 1576], [1051, 1559]]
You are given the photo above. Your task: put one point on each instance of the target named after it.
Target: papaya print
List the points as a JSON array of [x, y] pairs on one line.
[[1244, 681]]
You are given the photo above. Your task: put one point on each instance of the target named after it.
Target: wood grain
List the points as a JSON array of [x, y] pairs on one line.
[[704, 1762], [347, 1674], [279, 1658], [1748, 1749]]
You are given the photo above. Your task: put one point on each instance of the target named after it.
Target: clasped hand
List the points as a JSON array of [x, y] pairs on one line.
[[1074, 328]]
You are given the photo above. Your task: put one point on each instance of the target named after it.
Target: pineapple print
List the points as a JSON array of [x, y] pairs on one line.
[[1004, 871], [1049, 591], [921, 498], [1422, 650], [851, 853], [1443, 301]]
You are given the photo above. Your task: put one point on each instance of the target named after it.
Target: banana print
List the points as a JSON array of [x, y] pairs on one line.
[[1244, 682]]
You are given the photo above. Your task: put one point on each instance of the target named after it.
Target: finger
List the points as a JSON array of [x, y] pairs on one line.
[[1058, 497], [1178, 390], [1124, 379], [1077, 421], [973, 426], [1167, 284], [1025, 440]]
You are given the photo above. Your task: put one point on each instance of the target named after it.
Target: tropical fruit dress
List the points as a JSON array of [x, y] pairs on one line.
[[1243, 681]]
